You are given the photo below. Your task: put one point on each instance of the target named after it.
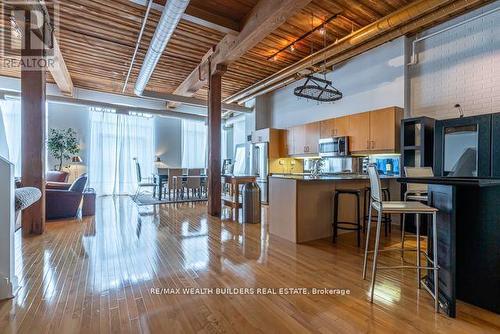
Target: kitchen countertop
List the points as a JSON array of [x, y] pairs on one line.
[[346, 177], [453, 181]]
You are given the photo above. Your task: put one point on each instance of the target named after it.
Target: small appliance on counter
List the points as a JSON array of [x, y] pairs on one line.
[[334, 147]]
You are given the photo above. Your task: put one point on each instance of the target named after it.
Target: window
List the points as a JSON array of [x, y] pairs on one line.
[[11, 116], [194, 144], [116, 142]]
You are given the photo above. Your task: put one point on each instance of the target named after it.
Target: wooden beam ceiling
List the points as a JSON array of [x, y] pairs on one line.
[[98, 37], [60, 72], [201, 17], [58, 67], [265, 17]]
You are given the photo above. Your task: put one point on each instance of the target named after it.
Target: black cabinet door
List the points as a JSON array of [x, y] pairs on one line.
[[495, 145], [481, 124]]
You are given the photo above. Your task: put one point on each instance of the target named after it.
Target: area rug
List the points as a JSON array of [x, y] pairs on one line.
[[148, 199]]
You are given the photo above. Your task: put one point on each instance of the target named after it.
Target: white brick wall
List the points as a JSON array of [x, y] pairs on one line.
[[461, 66]]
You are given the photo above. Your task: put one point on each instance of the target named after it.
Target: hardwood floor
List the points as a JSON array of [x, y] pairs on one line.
[[105, 274]]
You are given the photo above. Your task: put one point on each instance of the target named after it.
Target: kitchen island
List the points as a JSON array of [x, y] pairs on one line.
[[301, 206]]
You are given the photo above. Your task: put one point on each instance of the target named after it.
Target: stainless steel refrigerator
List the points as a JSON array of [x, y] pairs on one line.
[[259, 164]]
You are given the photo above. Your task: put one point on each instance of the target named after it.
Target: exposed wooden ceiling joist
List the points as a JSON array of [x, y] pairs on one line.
[[58, 67], [265, 17], [201, 17]]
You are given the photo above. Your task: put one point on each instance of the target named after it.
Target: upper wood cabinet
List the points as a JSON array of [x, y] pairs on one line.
[[335, 127], [303, 139], [369, 132], [375, 131], [359, 132], [274, 138], [312, 138], [342, 126], [327, 128], [384, 129]]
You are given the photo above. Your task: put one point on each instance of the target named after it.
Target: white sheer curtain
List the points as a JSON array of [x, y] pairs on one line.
[[194, 144], [11, 115], [115, 140]]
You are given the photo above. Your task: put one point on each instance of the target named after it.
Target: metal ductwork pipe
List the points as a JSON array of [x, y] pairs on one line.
[[172, 14]]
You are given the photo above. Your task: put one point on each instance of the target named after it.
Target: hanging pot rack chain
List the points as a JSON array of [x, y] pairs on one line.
[[304, 36]]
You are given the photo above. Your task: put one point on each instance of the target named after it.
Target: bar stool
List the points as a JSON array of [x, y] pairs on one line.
[[416, 208], [357, 224], [414, 192], [386, 219]]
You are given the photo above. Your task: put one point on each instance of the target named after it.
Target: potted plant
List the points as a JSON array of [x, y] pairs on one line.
[[62, 145]]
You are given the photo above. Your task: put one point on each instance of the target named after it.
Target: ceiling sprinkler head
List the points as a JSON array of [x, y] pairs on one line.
[[460, 110]]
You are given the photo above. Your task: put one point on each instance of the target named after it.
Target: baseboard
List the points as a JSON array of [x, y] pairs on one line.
[[8, 288]]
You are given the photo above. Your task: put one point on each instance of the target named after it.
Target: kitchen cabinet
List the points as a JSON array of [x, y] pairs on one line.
[[261, 136], [335, 127], [303, 139], [384, 129], [374, 131], [271, 136], [359, 132], [342, 126], [311, 138], [327, 128]]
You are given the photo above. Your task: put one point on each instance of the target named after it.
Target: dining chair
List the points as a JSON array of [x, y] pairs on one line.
[[193, 184], [142, 182], [175, 182]]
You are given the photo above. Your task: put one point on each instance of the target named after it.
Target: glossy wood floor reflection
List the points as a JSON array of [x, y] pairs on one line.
[[96, 276]]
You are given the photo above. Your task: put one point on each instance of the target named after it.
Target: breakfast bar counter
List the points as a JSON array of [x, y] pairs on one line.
[[468, 228], [301, 206]]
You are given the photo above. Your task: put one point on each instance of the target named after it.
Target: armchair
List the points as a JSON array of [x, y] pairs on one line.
[[57, 180], [60, 203]]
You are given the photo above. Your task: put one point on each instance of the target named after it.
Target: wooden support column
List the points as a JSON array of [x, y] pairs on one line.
[[33, 119], [214, 140]]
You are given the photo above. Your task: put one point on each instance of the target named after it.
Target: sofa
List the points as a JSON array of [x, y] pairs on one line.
[[64, 203]]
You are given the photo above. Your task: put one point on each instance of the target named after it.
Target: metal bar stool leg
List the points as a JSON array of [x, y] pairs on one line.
[[435, 258], [417, 223], [335, 215], [403, 221], [366, 201], [367, 243], [358, 232], [389, 217], [375, 255]]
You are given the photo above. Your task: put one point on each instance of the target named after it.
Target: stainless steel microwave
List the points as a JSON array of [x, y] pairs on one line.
[[334, 147]]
